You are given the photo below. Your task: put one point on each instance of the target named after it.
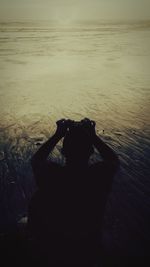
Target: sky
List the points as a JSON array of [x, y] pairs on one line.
[[72, 10]]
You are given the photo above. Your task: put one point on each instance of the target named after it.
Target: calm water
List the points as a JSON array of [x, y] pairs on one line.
[[99, 70]]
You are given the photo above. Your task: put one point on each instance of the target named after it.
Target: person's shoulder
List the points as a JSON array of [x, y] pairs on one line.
[[54, 165], [54, 169], [96, 166], [104, 167]]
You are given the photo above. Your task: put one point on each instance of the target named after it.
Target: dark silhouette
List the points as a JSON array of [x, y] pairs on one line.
[[66, 212]]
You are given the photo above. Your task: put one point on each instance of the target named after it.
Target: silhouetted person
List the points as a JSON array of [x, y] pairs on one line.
[[66, 212]]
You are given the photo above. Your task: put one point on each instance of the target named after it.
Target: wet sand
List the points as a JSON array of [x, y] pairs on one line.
[[97, 71]]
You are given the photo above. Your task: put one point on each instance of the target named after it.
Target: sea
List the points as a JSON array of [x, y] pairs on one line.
[[94, 69]]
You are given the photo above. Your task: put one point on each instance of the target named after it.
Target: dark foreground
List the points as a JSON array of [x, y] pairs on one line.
[[126, 232], [17, 250]]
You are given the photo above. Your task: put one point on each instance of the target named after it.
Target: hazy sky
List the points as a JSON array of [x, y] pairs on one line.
[[70, 10]]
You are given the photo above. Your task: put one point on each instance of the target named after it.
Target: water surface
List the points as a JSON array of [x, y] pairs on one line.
[[99, 70]]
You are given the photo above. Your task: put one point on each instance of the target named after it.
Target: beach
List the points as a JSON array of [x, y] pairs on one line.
[[99, 70]]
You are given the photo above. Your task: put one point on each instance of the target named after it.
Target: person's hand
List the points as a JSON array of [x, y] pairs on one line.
[[89, 127], [62, 126]]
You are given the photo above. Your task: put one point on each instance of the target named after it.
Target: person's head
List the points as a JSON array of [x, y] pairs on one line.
[[77, 146]]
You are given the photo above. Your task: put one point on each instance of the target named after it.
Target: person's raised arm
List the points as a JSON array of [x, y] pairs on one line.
[[107, 154], [41, 155]]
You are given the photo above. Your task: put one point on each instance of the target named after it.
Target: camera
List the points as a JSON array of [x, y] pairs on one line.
[[74, 124], [85, 123]]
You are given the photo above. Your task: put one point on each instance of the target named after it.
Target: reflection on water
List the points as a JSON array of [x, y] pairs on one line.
[[98, 70]]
